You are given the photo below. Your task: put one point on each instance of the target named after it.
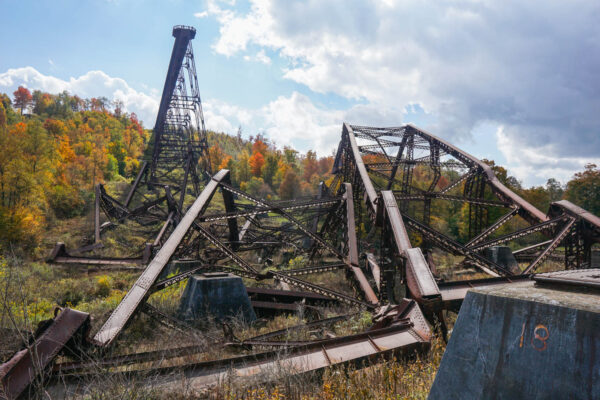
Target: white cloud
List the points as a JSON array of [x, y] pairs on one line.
[[534, 165], [261, 57], [202, 14], [296, 120], [91, 84], [529, 66], [285, 120], [220, 116]]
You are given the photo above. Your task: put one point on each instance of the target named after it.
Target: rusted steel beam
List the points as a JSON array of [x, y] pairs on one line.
[[375, 269], [553, 245], [453, 293], [565, 206], [97, 214], [140, 290], [60, 255], [529, 211], [532, 247], [135, 184], [411, 333], [352, 245], [319, 289], [395, 221], [401, 147], [453, 246], [389, 166], [31, 363], [587, 279], [314, 270], [519, 233], [163, 229], [273, 307], [428, 196], [231, 222], [494, 227], [370, 193], [458, 182], [312, 324], [420, 280], [286, 296], [224, 249], [316, 238], [65, 368], [274, 208]]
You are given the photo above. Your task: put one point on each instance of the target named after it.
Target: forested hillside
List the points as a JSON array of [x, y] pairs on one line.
[[56, 147]]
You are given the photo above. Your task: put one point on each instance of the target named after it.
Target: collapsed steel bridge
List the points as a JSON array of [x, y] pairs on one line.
[[377, 224]]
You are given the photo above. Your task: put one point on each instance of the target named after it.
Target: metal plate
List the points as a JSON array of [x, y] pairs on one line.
[[582, 278]]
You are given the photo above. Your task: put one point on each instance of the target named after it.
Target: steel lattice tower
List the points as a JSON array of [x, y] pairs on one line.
[[180, 153]]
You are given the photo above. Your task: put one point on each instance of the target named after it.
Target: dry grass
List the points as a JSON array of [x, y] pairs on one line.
[[393, 379]]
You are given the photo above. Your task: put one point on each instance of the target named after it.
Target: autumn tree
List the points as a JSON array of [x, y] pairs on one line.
[[290, 156], [37, 147], [325, 165], [290, 186], [2, 119], [256, 162], [259, 147], [243, 168], [23, 98], [270, 168], [584, 189], [310, 164], [538, 196], [216, 156]]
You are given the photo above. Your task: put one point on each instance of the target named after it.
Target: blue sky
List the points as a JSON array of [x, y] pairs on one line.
[[504, 80]]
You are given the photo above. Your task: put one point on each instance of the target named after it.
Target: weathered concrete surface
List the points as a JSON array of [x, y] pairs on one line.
[[503, 256], [520, 341], [222, 296]]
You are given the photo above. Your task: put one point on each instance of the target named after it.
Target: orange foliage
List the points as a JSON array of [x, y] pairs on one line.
[[216, 156], [225, 163], [55, 127], [374, 158], [23, 98], [256, 162], [259, 147], [311, 166]]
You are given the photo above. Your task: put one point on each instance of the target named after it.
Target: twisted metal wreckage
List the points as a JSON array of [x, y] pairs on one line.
[[387, 182]]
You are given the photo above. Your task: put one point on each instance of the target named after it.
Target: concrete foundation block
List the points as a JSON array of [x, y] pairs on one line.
[[522, 341], [503, 256], [219, 295]]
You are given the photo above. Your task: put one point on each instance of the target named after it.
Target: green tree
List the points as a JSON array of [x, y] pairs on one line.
[[270, 168], [555, 189], [243, 167], [290, 156], [290, 186], [584, 189]]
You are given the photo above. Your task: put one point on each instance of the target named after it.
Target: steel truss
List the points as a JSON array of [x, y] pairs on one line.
[[177, 162], [365, 223]]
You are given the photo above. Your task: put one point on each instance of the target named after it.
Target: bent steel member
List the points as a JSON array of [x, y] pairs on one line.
[[140, 290], [22, 369]]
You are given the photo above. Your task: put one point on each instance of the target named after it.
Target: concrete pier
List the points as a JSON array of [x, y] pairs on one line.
[[525, 341], [503, 256], [220, 295]]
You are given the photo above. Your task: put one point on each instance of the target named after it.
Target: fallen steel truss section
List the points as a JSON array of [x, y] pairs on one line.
[[367, 243]]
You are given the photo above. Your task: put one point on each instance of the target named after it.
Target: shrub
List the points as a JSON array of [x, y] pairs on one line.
[[103, 285]]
